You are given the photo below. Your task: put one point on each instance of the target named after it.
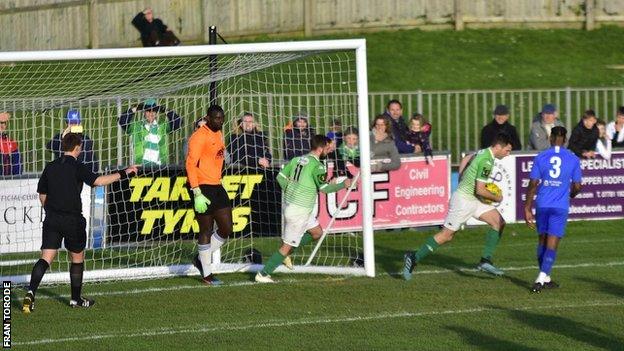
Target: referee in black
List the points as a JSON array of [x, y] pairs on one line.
[[59, 191]]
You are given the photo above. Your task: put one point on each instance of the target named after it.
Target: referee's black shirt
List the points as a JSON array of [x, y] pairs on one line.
[[61, 181]]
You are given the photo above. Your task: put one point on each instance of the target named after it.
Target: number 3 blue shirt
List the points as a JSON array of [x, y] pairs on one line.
[[556, 168]]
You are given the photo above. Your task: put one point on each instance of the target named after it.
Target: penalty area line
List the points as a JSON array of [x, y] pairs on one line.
[[314, 321]]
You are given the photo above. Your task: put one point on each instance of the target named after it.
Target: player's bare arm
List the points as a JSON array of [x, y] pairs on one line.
[[528, 204], [481, 191]]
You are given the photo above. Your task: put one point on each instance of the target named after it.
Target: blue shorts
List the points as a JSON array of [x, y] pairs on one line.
[[551, 220]]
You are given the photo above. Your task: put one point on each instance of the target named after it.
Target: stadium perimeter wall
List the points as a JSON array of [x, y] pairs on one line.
[[64, 24]]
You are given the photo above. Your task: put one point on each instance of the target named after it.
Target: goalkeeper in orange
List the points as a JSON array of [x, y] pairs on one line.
[[473, 198], [204, 163]]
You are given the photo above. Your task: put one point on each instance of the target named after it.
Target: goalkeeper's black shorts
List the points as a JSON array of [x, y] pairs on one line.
[[218, 198], [69, 227]]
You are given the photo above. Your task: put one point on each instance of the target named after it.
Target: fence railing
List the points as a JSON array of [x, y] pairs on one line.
[[457, 117]]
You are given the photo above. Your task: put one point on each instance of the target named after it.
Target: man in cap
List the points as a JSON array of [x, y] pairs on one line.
[[500, 124], [10, 161], [74, 125], [149, 134], [543, 123]]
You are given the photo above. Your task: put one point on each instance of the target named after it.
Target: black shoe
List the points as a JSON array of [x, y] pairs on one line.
[[83, 302], [29, 303], [409, 262], [551, 285], [198, 265], [537, 288]]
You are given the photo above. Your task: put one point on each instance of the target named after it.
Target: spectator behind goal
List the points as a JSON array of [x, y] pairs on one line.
[[248, 146], [584, 136], [153, 31], [603, 145], [382, 146], [10, 162], [543, 123], [335, 134], [394, 112], [73, 125], [348, 151], [615, 129], [418, 136], [500, 124], [297, 137]]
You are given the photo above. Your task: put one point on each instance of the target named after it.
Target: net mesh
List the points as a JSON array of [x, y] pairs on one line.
[[148, 221]]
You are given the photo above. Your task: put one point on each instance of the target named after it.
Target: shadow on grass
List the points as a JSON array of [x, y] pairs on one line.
[[568, 328], [604, 286], [487, 342], [53, 295]]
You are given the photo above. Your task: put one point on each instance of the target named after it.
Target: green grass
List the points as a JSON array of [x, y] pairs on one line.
[[447, 306]]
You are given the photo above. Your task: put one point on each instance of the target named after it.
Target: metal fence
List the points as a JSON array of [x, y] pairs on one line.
[[457, 117]]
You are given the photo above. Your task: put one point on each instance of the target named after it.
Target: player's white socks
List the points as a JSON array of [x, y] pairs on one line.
[[216, 242], [205, 257], [542, 278]]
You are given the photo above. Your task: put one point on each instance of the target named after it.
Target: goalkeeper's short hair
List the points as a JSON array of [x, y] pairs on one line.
[[319, 140]]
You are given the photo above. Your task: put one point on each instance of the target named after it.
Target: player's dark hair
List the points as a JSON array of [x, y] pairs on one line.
[[620, 110], [214, 110], [558, 132], [393, 101], [70, 141], [502, 139], [319, 140], [588, 114]]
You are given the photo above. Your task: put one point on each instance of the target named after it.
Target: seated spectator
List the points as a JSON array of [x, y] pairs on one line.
[[73, 125], [335, 133], [11, 163], [383, 147], [248, 146], [603, 145], [394, 111], [348, 151], [297, 137], [153, 31], [543, 123], [500, 124], [584, 136], [149, 135], [615, 130], [418, 136]]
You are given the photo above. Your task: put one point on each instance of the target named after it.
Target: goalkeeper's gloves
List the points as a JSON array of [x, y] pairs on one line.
[[201, 202]]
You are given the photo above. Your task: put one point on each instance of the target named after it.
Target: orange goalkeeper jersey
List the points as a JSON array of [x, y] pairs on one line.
[[204, 160]]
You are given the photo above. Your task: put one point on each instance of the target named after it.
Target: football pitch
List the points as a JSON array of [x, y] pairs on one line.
[[448, 305]]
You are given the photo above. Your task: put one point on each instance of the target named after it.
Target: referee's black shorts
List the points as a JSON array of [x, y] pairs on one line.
[[70, 227], [218, 198]]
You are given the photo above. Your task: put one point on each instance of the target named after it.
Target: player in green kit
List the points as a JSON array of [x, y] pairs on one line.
[[301, 180], [471, 199]]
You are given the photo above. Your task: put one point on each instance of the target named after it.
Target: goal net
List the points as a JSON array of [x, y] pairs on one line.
[[139, 106]]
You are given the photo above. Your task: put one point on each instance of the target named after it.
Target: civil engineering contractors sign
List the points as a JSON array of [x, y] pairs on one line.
[[601, 197], [21, 214]]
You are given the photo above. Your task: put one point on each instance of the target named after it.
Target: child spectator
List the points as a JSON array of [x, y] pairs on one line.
[[615, 130], [297, 137], [248, 146], [10, 159], [584, 136], [349, 151], [418, 136], [603, 145], [382, 146]]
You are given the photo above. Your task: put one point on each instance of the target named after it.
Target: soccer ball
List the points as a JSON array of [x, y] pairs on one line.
[[494, 189]]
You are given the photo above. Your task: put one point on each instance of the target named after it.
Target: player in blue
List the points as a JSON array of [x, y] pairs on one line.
[[556, 178]]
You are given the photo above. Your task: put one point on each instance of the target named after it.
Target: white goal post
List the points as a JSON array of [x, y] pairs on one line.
[[323, 81]]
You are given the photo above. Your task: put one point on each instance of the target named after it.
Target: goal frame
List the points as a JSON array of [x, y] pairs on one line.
[[366, 186]]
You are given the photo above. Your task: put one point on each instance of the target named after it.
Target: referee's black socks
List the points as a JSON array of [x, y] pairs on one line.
[[38, 271], [75, 275]]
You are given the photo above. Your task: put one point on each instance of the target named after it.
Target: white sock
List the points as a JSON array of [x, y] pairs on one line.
[[541, 278], [205, 258], [216, 242]]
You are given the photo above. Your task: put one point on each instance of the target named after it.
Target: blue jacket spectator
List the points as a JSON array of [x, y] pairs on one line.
[[87, 156], [297, 138], [10, 158], [335, 133], [248, 146], [394, 111]]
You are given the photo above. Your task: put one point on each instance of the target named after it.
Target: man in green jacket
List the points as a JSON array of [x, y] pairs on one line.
[[149, 135]]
